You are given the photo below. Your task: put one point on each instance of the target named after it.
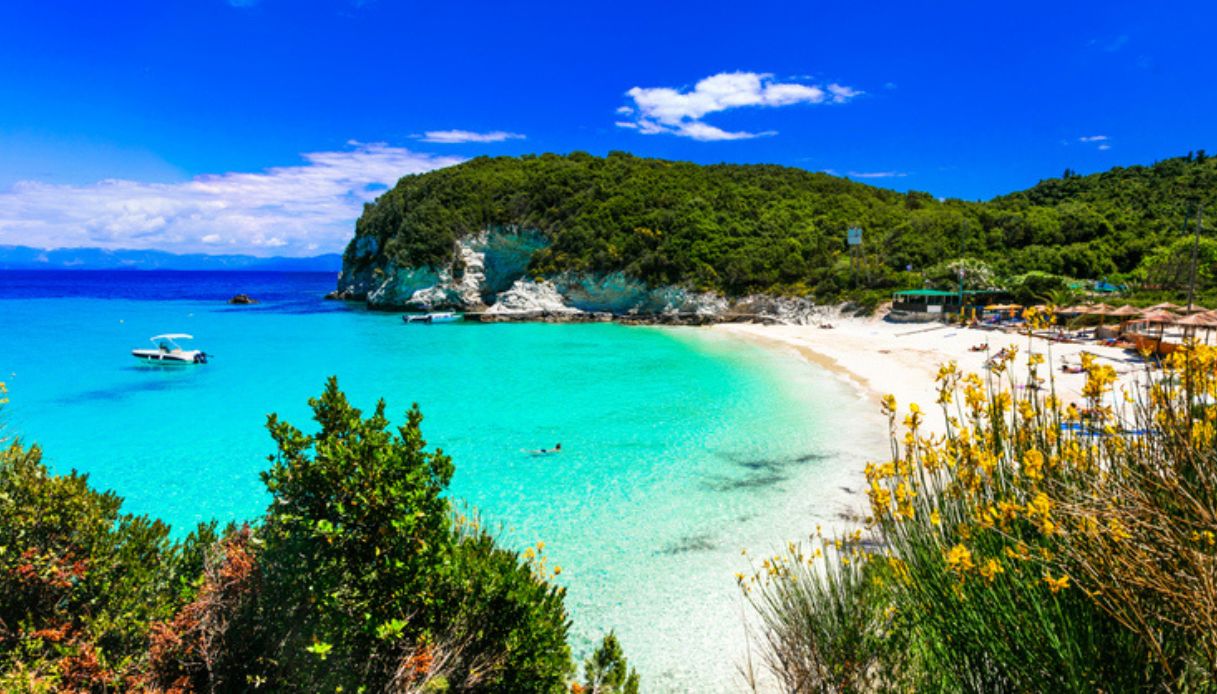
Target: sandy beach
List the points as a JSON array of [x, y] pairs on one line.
[[902, 359]]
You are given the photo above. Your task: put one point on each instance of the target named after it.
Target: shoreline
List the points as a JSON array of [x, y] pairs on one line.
[[902, 360]]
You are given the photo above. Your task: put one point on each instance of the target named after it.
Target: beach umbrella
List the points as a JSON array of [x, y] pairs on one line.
[[1194, 309], [1164, 306], [1191, 323], [1124, 313], [1196, 320], [1162, 319], [1158, 316]]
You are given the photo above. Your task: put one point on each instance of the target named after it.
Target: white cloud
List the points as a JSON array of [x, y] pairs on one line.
[[1101, 142], [708, 133], [877, 174], [287, 210], [681, 112], [841, 94], [450, 137]]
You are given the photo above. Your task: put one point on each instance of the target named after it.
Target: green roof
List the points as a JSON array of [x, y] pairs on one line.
[[925, 292], [939, 292]]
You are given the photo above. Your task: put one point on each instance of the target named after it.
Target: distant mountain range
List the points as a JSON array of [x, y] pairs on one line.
[[27, 258]]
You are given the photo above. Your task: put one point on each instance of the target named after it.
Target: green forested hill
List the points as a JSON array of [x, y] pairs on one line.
[[743, 228]]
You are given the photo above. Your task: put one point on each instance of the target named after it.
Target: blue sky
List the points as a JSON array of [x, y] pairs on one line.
[[261, 125]]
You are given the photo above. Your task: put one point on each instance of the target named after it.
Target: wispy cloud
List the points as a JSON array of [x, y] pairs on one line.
[[288, 210], [1101, 142], [877, 174], [680, 112], [452, 137]]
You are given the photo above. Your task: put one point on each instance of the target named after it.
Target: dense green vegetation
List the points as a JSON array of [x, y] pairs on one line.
[[739, 229], [359, 578]]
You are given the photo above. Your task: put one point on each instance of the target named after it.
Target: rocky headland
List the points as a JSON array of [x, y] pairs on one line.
[[489, 280]]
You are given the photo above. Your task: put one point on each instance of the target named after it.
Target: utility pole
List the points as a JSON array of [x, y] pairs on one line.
[[963, 230], [1191, 283]]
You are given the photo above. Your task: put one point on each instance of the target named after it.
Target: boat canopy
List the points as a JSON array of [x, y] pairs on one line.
[[172, 336]]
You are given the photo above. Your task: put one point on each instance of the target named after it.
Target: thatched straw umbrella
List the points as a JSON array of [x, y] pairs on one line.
[[1162, 319], [1159, 317], [1165, 306], [1195, 321], [1124, 313]]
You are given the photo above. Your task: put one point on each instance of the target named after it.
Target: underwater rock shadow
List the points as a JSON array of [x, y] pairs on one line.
[[772, 464], [760, 472], [720, 483], [699, 542]]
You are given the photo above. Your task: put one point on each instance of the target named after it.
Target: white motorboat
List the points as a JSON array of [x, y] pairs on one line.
[[443, 317], [168, 352]]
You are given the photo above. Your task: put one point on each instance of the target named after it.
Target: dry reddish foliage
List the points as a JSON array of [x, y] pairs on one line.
[[82, 670], [183, 652]]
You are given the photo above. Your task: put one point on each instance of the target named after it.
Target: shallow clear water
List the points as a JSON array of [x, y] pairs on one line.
[[681, 446]]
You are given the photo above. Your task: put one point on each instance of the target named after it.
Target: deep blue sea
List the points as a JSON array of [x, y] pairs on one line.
[[682, 446]]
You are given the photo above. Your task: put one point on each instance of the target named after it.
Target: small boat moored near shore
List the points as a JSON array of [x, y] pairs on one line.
[[168, 352], [445, 317]]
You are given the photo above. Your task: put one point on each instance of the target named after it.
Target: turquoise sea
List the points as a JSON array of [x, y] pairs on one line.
[[681, 446]]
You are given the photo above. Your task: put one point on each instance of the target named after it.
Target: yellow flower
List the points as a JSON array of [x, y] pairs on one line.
[[1056, 585], [1033, 465], [1118, 533], [1019, 552], [1206, 537], [935, 518], [1041, 505], [880, 499], [889, 404], [959, 559], [990, 569]]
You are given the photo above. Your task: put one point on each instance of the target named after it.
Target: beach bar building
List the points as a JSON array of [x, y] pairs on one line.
[[933, 304]]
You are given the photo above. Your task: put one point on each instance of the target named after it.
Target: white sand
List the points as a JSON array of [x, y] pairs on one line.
[[903, 359]]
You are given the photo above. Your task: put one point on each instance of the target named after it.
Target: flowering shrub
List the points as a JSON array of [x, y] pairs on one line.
[[1032, 546]]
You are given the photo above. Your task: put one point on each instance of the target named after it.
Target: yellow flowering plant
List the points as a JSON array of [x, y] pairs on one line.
[[1033, 544]]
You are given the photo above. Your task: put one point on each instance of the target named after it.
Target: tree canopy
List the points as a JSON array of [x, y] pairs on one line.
[[743, 228]]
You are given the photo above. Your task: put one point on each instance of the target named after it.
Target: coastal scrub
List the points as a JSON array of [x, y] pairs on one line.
[[1034, 545], [359, 578]]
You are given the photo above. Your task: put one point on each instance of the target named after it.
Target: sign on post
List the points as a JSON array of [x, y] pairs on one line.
[[854, 236]]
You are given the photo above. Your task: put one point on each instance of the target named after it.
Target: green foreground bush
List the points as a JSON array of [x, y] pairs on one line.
[[358, 578]]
